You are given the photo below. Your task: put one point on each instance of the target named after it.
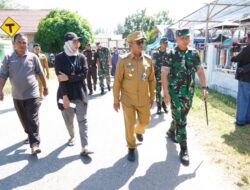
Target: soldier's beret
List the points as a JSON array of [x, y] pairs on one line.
[[135, 36], [182, 32]]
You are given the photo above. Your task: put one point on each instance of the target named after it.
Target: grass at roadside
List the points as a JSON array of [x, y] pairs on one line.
[[226, 145], [7, 87]]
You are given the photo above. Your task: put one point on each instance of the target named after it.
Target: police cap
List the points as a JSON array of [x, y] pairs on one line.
[[135, 36], [182, 32]]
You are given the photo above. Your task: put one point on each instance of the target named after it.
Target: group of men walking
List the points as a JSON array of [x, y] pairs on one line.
[[137, 77]]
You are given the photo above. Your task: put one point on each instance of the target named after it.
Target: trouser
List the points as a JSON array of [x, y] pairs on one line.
[[104, 73], [92, 75], [180, 107], [158, 93], [27, 111], [129, 113], [81, 114], [243, 103]]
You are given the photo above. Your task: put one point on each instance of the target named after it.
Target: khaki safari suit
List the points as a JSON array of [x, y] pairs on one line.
[[45, 69], [134, 86]]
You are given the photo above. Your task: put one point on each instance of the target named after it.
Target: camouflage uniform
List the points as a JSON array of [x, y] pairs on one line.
[[182, 66], [103, 70], [159, 58]]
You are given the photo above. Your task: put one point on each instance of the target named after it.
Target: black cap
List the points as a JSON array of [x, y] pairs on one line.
[[164, 40], [97, 43], [71, 36]]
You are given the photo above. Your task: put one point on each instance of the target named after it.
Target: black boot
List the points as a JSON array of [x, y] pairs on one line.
[[184, 157], [109, 88], [90, 92], [164, 107], [131, 154], [158, 108], [102, 90]]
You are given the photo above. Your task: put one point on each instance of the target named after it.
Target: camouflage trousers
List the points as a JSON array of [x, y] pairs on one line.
[[104, 73], [158, 92], [180, 106]]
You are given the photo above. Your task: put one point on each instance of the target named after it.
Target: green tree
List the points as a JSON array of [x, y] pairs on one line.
[[119, 29], [56, 24], [163, 18], [6, 4], [138, 21]]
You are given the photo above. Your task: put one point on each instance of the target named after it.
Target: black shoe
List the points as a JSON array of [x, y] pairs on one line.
[[102, 91], [184, 157], [158, 110], [239, 124], [139, 137], [109, 87], [131, 154], [164, 107], [90, 92], [171, 135]]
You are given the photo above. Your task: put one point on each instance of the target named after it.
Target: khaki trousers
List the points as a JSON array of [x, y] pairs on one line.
[[131, 126]]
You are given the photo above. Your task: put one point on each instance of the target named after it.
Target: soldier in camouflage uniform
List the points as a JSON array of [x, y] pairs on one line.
[[103, 67], [178, 77], [159, 58]]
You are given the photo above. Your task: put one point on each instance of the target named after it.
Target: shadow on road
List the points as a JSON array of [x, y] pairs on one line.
[[7, 110], [155, 119], [162, 175], [111, 178], [36, 168]]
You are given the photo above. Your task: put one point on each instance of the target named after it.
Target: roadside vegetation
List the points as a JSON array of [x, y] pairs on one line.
[[226, 145]]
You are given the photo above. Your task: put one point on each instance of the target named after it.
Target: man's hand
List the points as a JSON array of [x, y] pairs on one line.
[[167, 98], [66, 102], [204, 94], [62, 77], [116, 106], [45, 91], [1, 96]]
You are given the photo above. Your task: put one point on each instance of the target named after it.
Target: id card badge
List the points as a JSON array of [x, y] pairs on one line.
[[144, 76]]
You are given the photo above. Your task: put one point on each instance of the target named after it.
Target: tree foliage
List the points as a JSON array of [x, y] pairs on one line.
[[56, 24], [7, 4], [140, 21]]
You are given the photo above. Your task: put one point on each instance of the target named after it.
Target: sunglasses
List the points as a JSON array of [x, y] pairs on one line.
[[139, 42]]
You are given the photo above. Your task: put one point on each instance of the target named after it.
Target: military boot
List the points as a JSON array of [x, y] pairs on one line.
[[90, 92], [109, 87], [158, 108], [164, 107], [184, 156], [102, 90]]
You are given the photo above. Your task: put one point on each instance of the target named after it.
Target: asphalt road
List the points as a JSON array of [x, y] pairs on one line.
[[60, 167]]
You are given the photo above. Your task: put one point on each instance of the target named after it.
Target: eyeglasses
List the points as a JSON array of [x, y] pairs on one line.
[[139, 42]]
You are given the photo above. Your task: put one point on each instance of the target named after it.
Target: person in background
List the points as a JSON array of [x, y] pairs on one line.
[[22, 68], [114, 60], [243, 77], [44, 64], [159, 57], [92, 59], [71, 69], [103, 66], [178, 82], [134, 87]]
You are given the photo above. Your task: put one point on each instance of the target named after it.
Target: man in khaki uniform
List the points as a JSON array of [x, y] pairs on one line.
[[134, 87], [44, 64]]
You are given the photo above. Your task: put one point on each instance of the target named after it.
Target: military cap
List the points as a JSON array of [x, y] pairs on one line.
[[182, 32], [164, 40], [248, 34], [135, 36]]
